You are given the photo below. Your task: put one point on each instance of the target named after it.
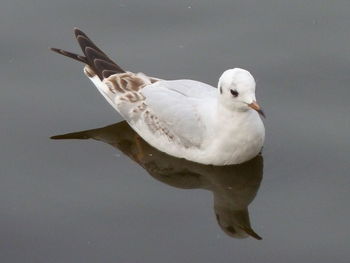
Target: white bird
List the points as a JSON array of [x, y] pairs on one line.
[[184, 118]]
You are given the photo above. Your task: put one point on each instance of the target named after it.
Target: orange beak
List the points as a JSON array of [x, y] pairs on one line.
[[255, 106]]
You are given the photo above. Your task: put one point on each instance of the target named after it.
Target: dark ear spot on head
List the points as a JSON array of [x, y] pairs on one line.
[[220, 89]]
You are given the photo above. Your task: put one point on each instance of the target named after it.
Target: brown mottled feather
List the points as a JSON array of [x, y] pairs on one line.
[[128, 83]]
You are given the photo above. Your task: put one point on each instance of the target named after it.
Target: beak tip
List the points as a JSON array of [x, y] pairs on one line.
[[255, 106], [261, 112]]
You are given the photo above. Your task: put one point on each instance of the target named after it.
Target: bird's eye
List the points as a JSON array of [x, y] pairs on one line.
[[234, 93]]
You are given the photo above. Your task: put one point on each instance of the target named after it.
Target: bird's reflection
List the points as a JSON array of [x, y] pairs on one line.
[[234, 187]]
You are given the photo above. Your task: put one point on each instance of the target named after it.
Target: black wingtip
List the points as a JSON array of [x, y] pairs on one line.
[[58, 50], [78, 32], [98, 61], [69, 54], [54, 49]]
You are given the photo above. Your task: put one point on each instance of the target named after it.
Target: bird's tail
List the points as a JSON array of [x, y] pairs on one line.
[[94, 57]]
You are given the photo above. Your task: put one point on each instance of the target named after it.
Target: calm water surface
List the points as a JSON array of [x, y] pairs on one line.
[[85, 201]]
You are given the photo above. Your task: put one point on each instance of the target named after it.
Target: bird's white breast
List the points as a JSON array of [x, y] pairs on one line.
[[238, 138]]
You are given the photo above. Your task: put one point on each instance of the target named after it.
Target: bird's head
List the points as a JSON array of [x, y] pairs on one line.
[[237, 90]]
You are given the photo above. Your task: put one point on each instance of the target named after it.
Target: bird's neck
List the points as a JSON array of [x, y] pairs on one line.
[[224, 104], [231, 111]]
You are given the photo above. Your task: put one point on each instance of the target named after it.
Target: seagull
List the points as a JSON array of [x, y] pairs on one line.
[[183, 118]]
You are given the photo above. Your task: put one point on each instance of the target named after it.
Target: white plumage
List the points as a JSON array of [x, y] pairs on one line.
[[184, 118]]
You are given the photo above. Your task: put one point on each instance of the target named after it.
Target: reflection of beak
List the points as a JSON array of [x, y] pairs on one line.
[[251, 232], [256, 107]]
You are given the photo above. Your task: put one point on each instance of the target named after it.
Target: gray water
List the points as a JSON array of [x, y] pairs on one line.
[[104, 200]]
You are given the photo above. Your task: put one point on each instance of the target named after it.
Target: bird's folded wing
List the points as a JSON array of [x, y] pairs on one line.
[[182, 107]]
